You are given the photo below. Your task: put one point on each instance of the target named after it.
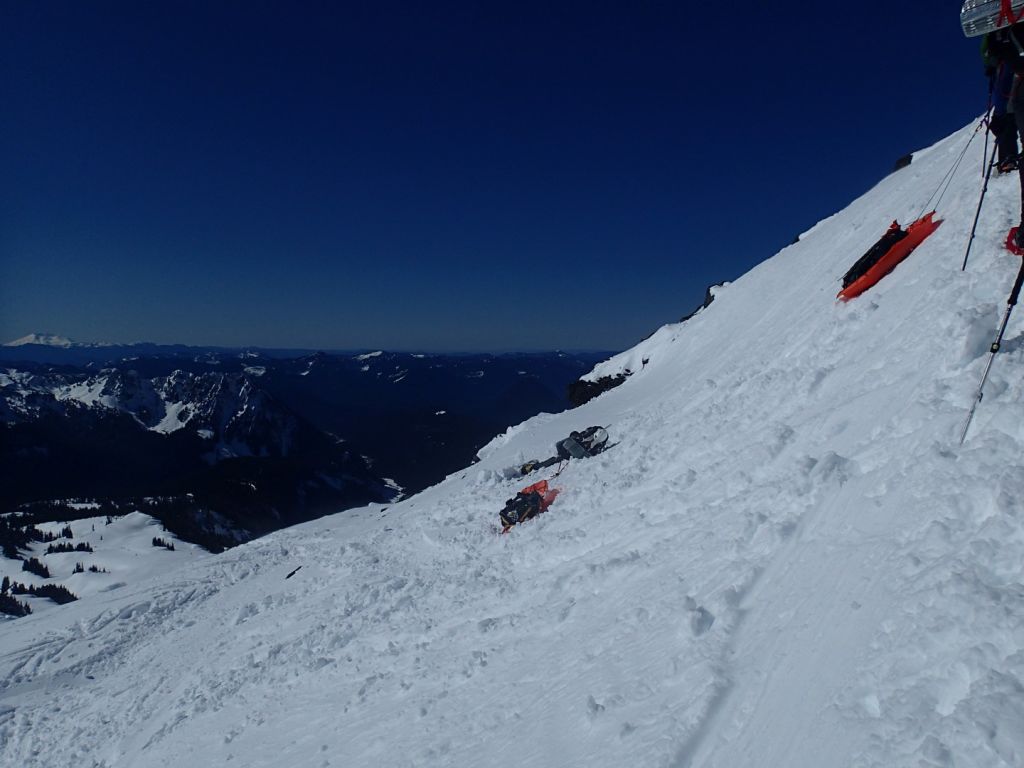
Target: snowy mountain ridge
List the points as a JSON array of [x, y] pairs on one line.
[[227, 459], [212, 402], [785, 560], [385, 407]]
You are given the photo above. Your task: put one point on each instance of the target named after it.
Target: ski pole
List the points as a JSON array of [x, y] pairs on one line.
[[984, 153], [977, 214], [987, 120], [1014, 295]]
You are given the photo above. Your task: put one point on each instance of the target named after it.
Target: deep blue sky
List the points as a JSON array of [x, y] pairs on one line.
[[442, 176]]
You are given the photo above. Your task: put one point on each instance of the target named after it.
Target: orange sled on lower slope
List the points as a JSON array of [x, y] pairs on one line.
[[527, 504]]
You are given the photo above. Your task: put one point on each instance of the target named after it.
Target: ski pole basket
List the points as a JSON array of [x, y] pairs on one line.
[[979, 17]]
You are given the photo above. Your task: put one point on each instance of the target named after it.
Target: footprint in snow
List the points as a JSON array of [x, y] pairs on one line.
[[701, 619]]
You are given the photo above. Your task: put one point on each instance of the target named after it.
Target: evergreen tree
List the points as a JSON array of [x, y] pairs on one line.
[[32, 565]]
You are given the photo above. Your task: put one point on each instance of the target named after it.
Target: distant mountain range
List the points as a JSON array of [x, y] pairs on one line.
[[60, 350], [225, 445]]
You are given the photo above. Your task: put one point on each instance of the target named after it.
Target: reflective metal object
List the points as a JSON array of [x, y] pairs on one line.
[[979, 17]]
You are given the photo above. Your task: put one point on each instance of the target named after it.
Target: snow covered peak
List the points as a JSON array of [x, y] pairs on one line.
[[44, 339], [52, 340], [785, 559]]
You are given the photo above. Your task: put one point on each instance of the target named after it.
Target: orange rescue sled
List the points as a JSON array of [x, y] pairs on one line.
[[527, 504], [916, 234]]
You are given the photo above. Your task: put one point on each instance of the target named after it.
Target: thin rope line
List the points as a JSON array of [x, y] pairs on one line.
[[947, 180]]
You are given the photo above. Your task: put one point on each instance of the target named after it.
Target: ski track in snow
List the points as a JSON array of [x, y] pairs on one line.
[[786, 560]]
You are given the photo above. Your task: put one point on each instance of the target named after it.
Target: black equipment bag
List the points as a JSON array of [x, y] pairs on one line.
[[875, 252], [520, 508]]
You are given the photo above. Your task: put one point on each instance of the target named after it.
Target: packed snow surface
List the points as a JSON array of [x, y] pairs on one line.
[[786, 561]]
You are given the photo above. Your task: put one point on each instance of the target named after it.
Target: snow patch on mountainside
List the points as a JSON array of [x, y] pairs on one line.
[[88, 393], [172, 420], [786, 559]]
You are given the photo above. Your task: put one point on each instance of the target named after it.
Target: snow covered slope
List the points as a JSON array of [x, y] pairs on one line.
[[120, 550], [786, 561]]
